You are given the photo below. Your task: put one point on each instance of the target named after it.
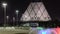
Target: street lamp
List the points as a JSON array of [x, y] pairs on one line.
[[4, 6], [17, 16], [13, 21], [7, 19]]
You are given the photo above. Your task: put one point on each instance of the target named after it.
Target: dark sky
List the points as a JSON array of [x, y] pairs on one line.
[[52, 6]]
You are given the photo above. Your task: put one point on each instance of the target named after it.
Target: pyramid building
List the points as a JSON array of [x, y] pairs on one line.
[[36, 11]]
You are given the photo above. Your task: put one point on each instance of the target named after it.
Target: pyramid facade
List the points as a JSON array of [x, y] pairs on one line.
[[36, 11]]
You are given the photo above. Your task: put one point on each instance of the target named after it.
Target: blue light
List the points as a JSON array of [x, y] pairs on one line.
[[41, 32], [46, 31]]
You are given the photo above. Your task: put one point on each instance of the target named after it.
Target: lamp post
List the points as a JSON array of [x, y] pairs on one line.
[[17, 16], [4, 6], [13, 21], [7, 20]]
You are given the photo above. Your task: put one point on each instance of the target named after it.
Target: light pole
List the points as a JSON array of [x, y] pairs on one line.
[[13, 21], [7, 20], [17, 16], [4, 6]]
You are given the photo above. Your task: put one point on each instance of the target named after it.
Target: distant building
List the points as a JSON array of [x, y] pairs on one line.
[[36, 11]]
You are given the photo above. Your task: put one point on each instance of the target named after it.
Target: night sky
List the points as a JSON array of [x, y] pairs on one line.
[[52, 6]]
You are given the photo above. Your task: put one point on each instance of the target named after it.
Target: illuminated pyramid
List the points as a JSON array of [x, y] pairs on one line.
[[36, 11]]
